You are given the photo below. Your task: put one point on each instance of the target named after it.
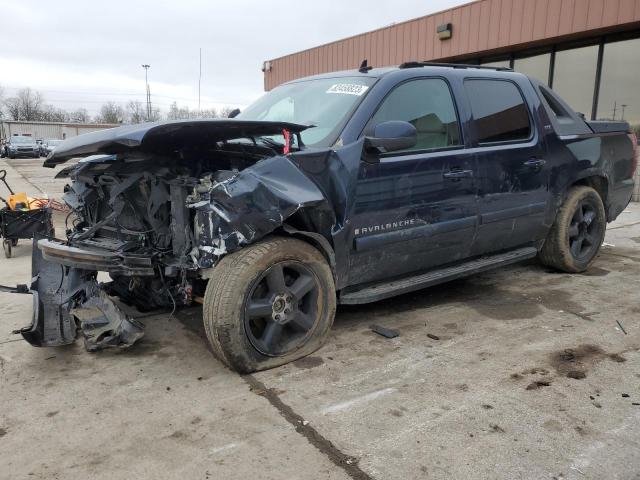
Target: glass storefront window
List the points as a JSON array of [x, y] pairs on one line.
[[619, 97], [574, 77], [536, 67]]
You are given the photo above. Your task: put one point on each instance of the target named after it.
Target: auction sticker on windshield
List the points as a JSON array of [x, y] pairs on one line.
[[348, 89]]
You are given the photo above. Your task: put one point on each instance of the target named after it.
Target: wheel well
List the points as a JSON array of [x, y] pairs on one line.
[[316, 240], [599, 184]]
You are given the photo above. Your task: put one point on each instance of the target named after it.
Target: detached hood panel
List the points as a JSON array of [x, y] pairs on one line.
[[164, 137]]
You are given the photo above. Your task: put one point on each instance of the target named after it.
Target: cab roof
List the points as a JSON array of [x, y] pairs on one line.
[[421, 67]]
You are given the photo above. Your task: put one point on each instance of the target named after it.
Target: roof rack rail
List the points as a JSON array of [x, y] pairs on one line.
[[452, 65]]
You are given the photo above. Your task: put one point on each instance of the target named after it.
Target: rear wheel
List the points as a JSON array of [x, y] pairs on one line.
[[269, 304], [577, 233]]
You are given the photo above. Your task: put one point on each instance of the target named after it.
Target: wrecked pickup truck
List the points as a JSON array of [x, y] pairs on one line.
[[346, 188]]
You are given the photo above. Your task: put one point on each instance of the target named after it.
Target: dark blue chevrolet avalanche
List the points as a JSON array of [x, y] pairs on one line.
[[347, 188]]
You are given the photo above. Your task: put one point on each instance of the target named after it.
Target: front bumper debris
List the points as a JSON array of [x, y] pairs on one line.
[[104, 325], [94, 259], [66, 300]]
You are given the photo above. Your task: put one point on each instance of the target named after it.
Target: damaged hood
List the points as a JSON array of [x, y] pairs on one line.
[[164, 137]]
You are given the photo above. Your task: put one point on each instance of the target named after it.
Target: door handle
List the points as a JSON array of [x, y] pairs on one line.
[[535, 163], [457, 174]]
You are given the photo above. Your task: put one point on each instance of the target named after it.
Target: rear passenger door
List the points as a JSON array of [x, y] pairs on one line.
[[416, 208], [513, 177]]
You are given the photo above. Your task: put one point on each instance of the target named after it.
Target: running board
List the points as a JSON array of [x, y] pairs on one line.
[[381, 291]]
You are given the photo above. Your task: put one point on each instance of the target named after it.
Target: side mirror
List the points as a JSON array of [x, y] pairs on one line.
[[392, 135], [234, 113]]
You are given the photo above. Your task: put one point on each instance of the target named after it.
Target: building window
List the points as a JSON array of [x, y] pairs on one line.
[[536, 67], [428, 106], [619, 97], [574, 77], [499, 111]]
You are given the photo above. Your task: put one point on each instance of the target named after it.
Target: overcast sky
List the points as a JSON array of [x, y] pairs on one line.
[[83, 53]]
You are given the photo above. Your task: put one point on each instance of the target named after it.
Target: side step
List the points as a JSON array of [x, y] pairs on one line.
[[381, 291]]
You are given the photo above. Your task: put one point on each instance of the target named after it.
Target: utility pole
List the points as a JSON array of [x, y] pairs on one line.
[[199, 80], [146, 81]]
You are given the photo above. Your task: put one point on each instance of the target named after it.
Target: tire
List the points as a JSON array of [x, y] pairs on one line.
[[577, 233], [14, 242], [269, 304], [6, 245]]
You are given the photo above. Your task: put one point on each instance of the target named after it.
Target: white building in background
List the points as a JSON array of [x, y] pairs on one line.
[[46, 130]]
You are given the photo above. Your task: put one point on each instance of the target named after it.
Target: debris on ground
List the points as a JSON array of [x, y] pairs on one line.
[[385, 332], [537, 384], [621, 327], [432, 336]]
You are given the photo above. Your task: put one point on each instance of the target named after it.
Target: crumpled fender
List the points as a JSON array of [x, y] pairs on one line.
[[251, 204]]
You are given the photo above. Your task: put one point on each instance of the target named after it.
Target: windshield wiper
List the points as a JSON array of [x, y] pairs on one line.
[[269, 142]]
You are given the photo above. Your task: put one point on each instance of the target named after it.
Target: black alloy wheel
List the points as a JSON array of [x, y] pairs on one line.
[[280, 310], [584, 233]]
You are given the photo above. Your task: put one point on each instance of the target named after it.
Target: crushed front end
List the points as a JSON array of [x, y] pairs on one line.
[[154, 207]]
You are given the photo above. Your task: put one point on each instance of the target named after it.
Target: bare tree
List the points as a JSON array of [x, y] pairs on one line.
[[26, 105], [156, 115], [79, 116], [181, 113], [49, 113], [174, 112], [13, 108], [111, 112], [225, 111], [136, 112], [209, 113]]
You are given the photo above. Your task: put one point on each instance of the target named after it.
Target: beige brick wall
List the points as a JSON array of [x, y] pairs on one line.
[[636, 188]]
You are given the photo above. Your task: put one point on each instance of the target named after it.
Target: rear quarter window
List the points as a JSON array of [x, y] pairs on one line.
[[500, 113]]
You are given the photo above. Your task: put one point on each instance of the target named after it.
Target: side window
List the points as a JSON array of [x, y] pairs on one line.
[[499, 111], [428, 106]]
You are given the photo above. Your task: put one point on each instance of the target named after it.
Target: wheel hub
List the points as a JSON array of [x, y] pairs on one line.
[[582, 227], [282, 308]]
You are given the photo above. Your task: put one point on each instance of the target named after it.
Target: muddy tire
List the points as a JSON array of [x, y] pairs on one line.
[[269, 304], [577, 233]]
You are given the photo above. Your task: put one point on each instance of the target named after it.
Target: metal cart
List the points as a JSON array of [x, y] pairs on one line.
[[18, 221]]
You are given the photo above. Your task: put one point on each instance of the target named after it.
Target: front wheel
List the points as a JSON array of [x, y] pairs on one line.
[[577, 233], [269, 304]]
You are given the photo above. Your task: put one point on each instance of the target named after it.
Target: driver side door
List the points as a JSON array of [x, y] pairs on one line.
[[415, 208]]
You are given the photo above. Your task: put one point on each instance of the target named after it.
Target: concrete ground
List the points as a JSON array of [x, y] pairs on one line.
[[519, 373]]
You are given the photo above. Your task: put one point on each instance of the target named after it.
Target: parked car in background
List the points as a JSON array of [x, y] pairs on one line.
[[21, 146], [49, 145]]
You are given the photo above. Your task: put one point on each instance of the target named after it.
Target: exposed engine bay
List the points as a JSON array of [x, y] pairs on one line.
[[157, 210], [142, 209]]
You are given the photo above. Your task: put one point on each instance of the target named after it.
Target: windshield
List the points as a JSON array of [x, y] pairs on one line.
[[21, 140], [324, 103]]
